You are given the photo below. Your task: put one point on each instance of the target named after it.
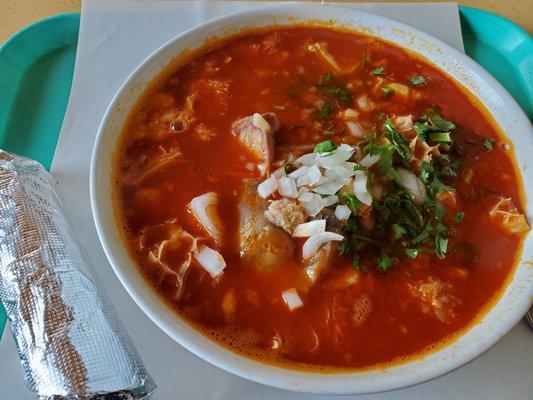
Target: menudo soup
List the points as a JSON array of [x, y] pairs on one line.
[[318, 198]]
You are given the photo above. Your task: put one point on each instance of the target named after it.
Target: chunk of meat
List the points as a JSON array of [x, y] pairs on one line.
[[505, 215], [256, 133], [170, 251], [421, 151], [262, 244], [436, 298], [333, 224], [161, 159], [286, 214], [404, 123], [204, 208], [319, 263]]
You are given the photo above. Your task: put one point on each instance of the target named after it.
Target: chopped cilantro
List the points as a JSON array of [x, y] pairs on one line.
[[384, 262], [378, 71], [398, 231], [325, 111], [418, 80], [436, 122], [412, 253], [443, 137], [358, 167], [387, 91], [424, 235], [355, 261], [403, 226], [337, 93], [441, 245], [326, 78], [325, 147], [459, 217], [489, 144], [352, 202], [400, 142]]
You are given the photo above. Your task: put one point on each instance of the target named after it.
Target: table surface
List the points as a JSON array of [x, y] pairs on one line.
[[18, 13]]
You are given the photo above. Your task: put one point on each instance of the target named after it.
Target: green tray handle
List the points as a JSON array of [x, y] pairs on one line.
[[25, 58], [504, 49]]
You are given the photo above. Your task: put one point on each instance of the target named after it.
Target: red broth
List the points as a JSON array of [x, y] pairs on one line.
[[170, 152]]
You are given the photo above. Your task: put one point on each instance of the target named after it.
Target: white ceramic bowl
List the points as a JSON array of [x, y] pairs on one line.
[[496, 323]]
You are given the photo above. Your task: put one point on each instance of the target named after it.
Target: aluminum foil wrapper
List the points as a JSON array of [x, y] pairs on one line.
[[70, 340]]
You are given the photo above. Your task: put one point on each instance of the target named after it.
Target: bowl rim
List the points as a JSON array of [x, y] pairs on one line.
[[357, 382]]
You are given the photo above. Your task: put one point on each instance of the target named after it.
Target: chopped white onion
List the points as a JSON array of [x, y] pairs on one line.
[[350, 113], [369, 160], [355, 129], [203, 208], [312, 244], [346, 147], [260, 122], [292, 299], [404, 123], [329, 200], [268, 187], [302, 190], [349, 165], [338, 157], [342, 212], [278, 173], [412, 184], [359, 188], [287, 188], [311, 177], [210, 260], [307, 159], [311, 202], [362, 102], [342, 170], [298, 172], [328, 188], [399, 89], [310, 228]]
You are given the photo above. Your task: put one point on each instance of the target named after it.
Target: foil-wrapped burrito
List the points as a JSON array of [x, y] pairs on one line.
[[69, 338]]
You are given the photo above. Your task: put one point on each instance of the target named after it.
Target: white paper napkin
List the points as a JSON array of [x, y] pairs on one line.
[[115, 36]]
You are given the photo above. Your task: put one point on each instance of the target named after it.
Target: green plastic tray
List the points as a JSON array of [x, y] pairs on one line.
[[36, 66], [37, 63]]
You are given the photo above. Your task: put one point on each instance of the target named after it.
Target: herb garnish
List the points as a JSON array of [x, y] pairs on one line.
[[459, 217], [418, 80], [489, 144], [384, 262], [337, 93], [352, 202], [387, 91], [327, 78], [378, 71], [412, 253], [325, 147], [325, 111], [402, 225]]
